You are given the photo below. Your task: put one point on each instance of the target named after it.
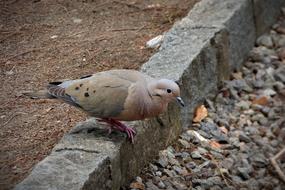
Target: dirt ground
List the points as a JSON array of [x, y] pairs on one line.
[[47, 40]]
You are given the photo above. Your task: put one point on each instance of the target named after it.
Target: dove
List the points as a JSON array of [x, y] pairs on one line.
[[117, 95]]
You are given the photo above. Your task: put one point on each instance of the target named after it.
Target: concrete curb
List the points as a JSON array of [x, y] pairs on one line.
[[198, 52]]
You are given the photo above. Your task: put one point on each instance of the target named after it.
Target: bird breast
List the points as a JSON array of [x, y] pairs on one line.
[[140, 105]]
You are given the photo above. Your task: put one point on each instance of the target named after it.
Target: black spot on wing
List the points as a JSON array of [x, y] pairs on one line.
[[86, 94], [77, 88], [55, 83]]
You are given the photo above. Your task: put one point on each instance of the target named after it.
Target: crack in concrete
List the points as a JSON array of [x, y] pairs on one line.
[[77, 149], [203, 27]]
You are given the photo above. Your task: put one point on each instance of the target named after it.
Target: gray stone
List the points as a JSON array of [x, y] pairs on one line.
[[217, 155], [258, 83], [227, 163], [268, 92], [251, 130], [243, 105], [179, 170], [156, 179], [240, 84], [184, 143], [207, 183], [205, 134], [265, 40], [280, 74], [243, 137], [139, 179], [186, 136], [196, 155], [244, 172], [259, 160], [163, 161], [219, 136], [208, 126], [191, 165], [154, 168], [151, 186], [202, 150], [216, 187], [161, 185], [259, 53], [173, 162], [170, 173], [253, 184]]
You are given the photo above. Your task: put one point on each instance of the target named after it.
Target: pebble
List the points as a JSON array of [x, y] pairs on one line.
[[265, 40], [243, 137], [184, 143], [244, 173], [196, 155], [243, 105], [161, 185], [279, 74], [269, 92], [151, 186], [259, 160]]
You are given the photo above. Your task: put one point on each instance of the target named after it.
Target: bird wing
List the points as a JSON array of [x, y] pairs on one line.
[[101, 95]]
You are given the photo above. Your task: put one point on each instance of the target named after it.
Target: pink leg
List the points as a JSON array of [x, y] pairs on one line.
[[119, 126]]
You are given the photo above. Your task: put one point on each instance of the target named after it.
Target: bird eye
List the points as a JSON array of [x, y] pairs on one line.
[[169, 90]]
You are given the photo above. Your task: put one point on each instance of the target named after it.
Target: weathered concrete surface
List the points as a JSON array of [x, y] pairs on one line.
[[234, 16], [197, 52]]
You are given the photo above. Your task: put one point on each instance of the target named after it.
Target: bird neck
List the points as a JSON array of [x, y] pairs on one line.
[[153, 105]]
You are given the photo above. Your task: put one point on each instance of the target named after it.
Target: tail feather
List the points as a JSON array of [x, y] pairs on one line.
[[41, 94]]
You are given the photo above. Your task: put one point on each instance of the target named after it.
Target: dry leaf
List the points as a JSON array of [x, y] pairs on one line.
[[263, 100], [137, 185], [224, 130], [200, 114], [215, 144], [197, 135]]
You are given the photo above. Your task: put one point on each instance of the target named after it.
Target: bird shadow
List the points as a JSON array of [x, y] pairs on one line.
[[98, 131]]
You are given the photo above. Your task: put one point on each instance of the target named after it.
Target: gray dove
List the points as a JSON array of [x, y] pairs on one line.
[[117, 95]]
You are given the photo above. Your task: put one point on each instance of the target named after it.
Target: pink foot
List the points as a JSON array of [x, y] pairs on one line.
[[119, 126]]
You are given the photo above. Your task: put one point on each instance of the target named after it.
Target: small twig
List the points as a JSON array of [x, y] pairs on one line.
[[137, 29], [102, 5], [128, 4], [217, 165], [23, 53], [14, 115], [75, 34], [276, 166], [9, 35], [224, 178]]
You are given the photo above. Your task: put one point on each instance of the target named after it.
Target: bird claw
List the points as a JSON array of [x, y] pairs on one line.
[[119, 126]]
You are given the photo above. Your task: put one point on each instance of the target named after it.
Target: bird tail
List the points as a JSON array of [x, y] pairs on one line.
[[41, 94]]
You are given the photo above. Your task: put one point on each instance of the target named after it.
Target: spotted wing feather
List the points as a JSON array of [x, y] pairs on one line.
[[59, 92]]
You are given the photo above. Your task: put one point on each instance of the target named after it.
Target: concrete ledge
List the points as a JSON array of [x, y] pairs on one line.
[[198, 52]]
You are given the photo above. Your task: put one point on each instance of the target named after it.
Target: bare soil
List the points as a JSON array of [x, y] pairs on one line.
[[47, 40]]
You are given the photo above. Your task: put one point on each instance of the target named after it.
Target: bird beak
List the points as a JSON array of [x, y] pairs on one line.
[[180, 101]]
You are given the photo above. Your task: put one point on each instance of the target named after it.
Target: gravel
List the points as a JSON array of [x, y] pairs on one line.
[[230, 149]]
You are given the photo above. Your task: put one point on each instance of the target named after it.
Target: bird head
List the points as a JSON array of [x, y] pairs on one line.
[[168, 91]]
